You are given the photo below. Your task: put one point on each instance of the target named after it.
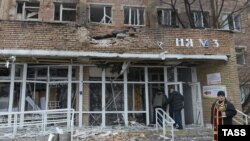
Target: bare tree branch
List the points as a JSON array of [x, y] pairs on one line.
[[173, 6], [188, 12], [219, 12]]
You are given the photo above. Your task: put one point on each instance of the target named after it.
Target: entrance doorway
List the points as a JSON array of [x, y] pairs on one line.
[[192, 112]]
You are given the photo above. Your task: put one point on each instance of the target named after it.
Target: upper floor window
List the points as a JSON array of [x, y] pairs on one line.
[[65, 12], [240, 55], [101, 13], [167, 17], [231, 22], [28, 10], [134, 16], [200, 19]]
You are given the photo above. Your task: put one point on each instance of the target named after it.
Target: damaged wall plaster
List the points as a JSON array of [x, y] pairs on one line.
[[83, 35]]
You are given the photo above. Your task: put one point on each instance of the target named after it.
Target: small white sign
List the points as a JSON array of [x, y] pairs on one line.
[[211, 91], [213, 78]]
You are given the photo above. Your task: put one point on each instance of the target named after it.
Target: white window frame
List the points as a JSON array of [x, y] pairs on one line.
[[198, 17], [241, 54], [169, 22], [61, 11], [225, 22], [23, 14], [103, 21], [137, 15]]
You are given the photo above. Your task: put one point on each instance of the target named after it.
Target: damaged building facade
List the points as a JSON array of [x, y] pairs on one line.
[[106, 59]]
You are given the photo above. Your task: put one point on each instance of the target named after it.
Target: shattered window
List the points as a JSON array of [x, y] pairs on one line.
[[167, 17], [4, 97], [136, 74], [100, 14], [35, 96], [171, 74], [200, 19], [65, 12], [28, 10], [230, 22], [4, 72], [17, 96], [134, 15]]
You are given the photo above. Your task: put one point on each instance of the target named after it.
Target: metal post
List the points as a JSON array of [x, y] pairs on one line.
[[15, 125], [23, 93], [80, 94], [11, 94], [69, 95], [47, 98], [103, 98], [146, 93], [125, 97], [72, 111]]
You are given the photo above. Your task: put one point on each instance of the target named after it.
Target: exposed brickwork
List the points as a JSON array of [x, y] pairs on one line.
[[57, 36]]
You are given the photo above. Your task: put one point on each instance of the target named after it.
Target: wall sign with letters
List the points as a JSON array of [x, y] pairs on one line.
[[206, 43]]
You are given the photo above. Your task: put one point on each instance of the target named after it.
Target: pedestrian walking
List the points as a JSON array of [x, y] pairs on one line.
[[176, 104]]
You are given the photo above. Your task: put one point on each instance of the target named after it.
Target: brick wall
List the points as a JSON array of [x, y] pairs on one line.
[[229, 77], [63, 36], [59, 36]]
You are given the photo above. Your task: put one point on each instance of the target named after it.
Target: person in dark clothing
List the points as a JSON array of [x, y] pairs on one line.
[[176, 104], [222, 113], [159, 101], [170, 109]]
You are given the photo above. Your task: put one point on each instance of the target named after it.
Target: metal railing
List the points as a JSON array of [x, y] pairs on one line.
[[164, 120], [243, 120], [34, 123]]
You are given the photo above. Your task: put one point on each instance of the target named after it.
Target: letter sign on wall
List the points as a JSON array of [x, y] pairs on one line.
[[206, 43]]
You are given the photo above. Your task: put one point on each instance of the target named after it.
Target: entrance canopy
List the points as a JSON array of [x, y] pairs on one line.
[[83, 54]]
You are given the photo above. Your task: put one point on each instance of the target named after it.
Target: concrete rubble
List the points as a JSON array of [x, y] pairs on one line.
[[133, 132]]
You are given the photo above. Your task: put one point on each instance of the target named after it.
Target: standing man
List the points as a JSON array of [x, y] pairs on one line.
[[170, 109], [176, 103], [222, 113], [159, 101]]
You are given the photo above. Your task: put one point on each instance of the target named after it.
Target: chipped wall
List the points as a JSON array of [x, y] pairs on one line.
[[58, 36]]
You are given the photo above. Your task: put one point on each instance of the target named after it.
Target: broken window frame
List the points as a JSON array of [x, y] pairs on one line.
[[200, 19], [61, 9], [24, 10], [231, 22], [167, 20], [105, 14], [137, 16], [240, 55]]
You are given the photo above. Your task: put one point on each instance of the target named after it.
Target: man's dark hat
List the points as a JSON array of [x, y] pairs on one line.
[[221, 93]]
